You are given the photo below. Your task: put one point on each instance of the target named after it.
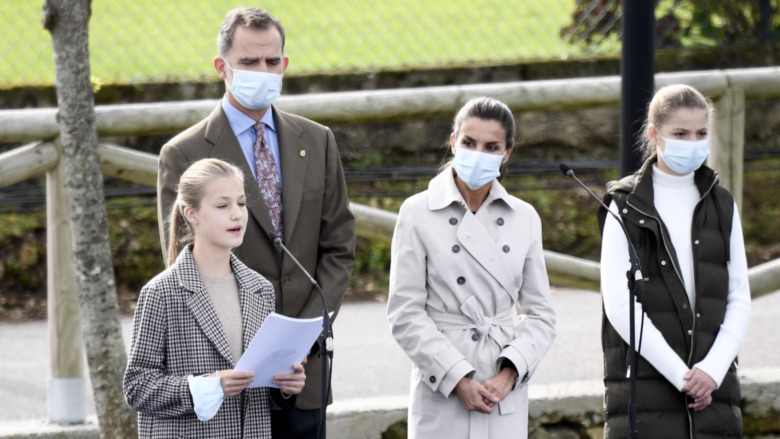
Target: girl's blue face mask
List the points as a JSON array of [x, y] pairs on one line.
[[684, 156], [255, 90]]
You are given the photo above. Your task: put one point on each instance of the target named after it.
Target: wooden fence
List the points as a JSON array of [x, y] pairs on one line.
[[729, 90]]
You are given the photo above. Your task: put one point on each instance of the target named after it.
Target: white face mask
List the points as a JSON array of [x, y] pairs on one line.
[[255, 90], [475, 168], [684, 156]]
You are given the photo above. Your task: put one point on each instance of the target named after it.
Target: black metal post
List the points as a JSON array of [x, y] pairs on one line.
[[764, 21], [637, 67]]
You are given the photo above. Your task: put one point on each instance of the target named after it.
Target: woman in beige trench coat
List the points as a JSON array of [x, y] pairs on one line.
[[469, 297]]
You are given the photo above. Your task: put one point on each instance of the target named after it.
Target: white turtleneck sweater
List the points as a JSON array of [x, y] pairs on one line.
[[675, 198]]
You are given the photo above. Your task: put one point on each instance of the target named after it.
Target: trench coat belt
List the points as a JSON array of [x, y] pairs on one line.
[[473, 317]]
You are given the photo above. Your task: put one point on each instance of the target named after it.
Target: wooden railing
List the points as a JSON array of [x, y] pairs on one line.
[[729, 90]]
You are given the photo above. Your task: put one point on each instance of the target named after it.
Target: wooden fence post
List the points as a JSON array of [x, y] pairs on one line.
[[67, 385], [727, 141]]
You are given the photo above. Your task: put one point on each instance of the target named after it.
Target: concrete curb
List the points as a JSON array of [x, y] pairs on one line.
[[581, 402]]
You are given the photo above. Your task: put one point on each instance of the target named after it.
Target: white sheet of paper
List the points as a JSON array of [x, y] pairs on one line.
[[279, 343]]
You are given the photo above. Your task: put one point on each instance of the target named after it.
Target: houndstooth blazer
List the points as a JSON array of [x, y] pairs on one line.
[[176, 333]]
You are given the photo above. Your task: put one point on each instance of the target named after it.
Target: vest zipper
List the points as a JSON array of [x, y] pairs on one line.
[[679, 276]]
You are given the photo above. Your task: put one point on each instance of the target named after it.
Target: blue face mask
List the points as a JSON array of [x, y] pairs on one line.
[[255, 90], [683, 156], [476, 169]]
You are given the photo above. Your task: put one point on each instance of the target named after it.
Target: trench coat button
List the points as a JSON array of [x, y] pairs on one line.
[[505, 249], [475, 336], [696, 242], [455, 248], [500, 221], [690, 332], [453, 221], [461, 280], [641, 221], [663, 262], [432, 379], [625, 210]]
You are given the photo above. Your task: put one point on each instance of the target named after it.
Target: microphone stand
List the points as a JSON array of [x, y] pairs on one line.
[[636, 286], [324, 342]]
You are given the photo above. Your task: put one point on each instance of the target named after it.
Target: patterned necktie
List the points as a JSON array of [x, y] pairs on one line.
[[268, 178]]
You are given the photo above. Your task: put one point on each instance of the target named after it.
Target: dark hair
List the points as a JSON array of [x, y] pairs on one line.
[[189, 193], [486, 108], [254, 18], [665, 102]]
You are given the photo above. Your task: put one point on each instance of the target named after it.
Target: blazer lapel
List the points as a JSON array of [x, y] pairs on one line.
[[200, 305], [251, 298], [294, 159], [226, 147], [478, 242]]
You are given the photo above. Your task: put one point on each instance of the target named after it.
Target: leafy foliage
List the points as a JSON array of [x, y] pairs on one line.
[[679, 23]]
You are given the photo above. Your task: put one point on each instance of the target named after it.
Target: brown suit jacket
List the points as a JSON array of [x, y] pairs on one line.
[[319, 228]]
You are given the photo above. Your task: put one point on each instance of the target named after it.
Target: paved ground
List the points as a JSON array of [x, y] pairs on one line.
[[368, 363]]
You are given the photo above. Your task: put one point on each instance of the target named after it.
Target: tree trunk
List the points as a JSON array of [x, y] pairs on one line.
[[68, 21]]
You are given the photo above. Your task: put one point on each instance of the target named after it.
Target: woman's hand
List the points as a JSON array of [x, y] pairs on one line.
[[699, 387], [233, 381], [501, 384], [292, 383], [474, 397]]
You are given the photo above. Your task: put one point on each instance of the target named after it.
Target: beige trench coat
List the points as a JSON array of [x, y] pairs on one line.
[[467, 291]]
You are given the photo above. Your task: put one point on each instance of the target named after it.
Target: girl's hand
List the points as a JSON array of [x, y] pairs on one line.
[[232, 381], [292, 383], [474, 397], [699, 387]]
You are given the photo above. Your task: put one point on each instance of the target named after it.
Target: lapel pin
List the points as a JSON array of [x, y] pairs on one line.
[[303, 153]]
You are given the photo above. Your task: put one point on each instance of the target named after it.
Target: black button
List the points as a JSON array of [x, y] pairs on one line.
[[500, 221], [455, 248], [432, 379], [475, 336], [506, 249], [453, 221], [461, 280]]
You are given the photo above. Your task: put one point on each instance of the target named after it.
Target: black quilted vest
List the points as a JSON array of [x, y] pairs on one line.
[[662, 411]]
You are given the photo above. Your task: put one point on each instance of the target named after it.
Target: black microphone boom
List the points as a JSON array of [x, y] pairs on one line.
[[326, 339], [636, 287]]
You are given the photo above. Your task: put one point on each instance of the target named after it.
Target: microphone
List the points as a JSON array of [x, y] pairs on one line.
[[636, 286], [638, 278], [325, 341], [569, 173]]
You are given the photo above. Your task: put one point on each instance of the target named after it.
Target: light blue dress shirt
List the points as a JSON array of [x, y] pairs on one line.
[[243, 127]]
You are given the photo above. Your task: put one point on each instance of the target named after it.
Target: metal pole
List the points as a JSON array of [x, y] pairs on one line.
[[637, 67]]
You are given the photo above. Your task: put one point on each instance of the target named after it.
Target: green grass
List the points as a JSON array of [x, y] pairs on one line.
[[165, 39]]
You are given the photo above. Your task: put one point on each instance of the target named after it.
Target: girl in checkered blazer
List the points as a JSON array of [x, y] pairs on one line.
[[194, 320]]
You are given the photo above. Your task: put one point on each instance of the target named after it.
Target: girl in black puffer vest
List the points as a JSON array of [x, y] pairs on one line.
[[688, 238]]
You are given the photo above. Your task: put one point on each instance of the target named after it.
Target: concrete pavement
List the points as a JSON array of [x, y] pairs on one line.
[[370, 369]]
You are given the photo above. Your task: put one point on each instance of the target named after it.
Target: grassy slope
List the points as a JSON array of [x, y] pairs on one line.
[[144, 39]]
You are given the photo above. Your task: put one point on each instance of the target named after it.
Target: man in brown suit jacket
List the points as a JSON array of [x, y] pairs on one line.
[[318, 227]]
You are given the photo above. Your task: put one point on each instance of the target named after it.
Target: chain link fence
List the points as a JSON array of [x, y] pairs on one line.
[[166, 39]]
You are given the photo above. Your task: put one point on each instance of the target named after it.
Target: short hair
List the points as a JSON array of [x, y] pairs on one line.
[[190, 193], [665, 102], [254, 18]]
